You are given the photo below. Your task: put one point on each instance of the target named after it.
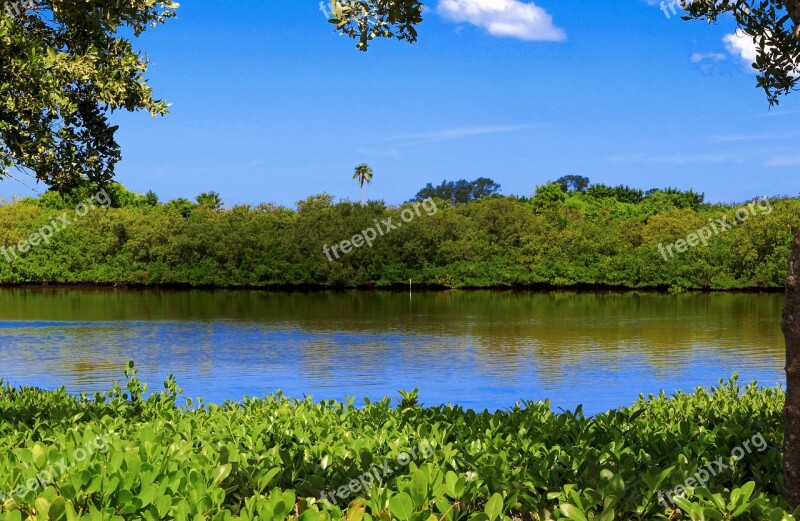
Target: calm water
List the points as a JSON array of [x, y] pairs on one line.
[[477, 349]]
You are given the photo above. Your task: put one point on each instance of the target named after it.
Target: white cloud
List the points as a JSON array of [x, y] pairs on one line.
[[508, 18], [742, 46]]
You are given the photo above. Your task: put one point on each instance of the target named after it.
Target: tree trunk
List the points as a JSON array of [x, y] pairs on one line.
[[791, 412], [793, 7]]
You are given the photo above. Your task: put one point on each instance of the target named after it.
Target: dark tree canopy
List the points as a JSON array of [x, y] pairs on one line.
[[621, 193], [63, 69], [573, 183], [459, 192]]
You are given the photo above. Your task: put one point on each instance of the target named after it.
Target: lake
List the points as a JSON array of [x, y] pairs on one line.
[[477, 349]]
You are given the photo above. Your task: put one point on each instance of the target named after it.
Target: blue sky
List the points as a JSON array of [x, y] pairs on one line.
[[269, 105]]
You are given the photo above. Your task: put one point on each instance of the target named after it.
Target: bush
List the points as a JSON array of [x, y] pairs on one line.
[[273, 458]]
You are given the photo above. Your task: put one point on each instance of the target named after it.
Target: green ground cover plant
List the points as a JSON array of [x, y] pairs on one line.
[[156, 456]]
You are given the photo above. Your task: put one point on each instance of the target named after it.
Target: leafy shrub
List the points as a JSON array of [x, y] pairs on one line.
[[274, 458]]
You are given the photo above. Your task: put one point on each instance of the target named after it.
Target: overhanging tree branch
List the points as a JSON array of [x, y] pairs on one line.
[[774, 28], [63, 69], [366, 20]]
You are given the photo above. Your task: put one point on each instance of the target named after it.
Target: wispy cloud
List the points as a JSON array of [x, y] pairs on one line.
[[379, 152], [783, 161], [633, 158], [505, 18], [711, 63], [774, 113], [733, 138], [700, 57], [448, 134]]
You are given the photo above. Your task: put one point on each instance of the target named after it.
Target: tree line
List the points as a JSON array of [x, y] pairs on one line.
[[594, 235]]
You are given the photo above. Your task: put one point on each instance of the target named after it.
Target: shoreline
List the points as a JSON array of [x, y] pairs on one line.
[[395, 288]]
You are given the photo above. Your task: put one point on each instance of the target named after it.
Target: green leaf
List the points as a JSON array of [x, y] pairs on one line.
[[221, 473], [58, 509], [148, 495], [455, 484], [401, 506], [147, 435], [573, 512], [355, 513], [39, 452], [606, 515], [747, 490], [494, 507], [419, 488], [683, 503], [266, 479], [42, 505], [163, 505]]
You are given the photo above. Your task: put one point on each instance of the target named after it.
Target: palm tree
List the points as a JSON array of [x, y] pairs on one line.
[[210, 200], [364, 175]]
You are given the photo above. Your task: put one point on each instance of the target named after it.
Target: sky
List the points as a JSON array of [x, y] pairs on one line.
[[268, 104]]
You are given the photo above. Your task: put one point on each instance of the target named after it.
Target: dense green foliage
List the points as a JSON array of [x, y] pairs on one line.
[[64, 67], [274, 457], [552, 238], [623, 194]]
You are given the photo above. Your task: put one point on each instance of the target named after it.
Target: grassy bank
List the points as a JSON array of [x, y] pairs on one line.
[[123, 455], [553, 239]]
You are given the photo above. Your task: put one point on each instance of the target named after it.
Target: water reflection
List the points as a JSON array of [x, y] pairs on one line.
[[478, 349]]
